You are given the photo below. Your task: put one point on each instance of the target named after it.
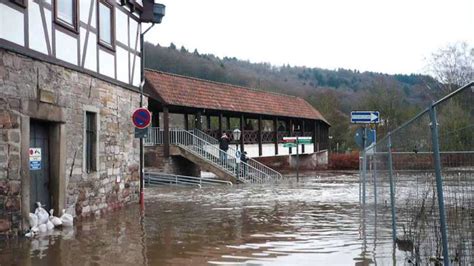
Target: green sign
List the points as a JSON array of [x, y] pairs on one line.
[[289, 145], [304, 141]]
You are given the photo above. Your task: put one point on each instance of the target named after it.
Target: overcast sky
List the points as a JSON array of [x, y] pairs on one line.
[[390, 36]]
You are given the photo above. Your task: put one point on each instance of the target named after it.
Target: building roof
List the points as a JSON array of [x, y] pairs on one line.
[[176, 90]]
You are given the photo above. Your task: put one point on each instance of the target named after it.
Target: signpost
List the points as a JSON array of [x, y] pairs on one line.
[[292, 142], [141, 119], [365, 117], [364, 138]]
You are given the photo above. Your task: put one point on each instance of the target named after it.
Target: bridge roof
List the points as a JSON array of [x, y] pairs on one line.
[[176, 90]]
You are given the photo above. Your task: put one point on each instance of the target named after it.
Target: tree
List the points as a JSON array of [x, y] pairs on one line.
[[453, 66]]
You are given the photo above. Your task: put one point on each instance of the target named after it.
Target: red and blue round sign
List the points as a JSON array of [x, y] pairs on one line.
[[141, 118]]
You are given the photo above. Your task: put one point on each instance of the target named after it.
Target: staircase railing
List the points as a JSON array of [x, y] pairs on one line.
[[155, 178], [254, 163], [200, 146]]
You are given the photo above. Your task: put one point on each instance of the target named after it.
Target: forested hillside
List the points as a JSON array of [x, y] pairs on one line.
[[333, 92]]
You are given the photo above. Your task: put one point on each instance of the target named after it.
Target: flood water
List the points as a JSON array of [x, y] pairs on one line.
[[316, 221]]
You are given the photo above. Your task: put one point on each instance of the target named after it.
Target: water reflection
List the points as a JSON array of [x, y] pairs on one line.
[[314, 222]]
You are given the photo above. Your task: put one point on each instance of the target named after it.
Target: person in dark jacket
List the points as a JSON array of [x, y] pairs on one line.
[[223, 147], [244, 159]]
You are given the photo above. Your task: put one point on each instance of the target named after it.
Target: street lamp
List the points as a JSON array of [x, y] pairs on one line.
[[152, 13], [236, 134]]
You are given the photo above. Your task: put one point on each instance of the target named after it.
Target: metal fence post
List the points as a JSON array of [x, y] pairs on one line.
[[439, 184], [392, 188], [364, 166]]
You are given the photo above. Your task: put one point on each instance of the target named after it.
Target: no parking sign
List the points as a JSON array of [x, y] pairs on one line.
[[141, 118]]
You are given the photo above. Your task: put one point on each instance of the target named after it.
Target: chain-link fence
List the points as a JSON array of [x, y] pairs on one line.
[[418, 184]]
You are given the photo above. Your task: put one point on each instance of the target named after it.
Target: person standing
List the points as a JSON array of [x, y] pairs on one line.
[[223, 147], [244, 159]]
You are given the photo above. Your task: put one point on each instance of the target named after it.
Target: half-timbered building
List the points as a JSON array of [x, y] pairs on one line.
[[69, 81]]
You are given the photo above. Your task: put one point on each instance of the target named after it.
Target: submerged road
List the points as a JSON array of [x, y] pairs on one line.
[[317, 221]]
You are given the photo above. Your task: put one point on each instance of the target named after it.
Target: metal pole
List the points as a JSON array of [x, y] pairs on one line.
[[142, 83], [297, 161], [392, 188], [439, 184], [364, 166]]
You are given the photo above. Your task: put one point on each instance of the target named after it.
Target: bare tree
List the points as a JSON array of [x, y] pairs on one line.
[[453, 65]]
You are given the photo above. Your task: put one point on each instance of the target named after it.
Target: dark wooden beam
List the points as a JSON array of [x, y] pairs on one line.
[[315, 144], [227, 120], [186, 122], [291, 133], [260, 149], [220, 124], [302, 134], [242, 120], [208, 122], [275, 130], [166, 133], [198, 122]]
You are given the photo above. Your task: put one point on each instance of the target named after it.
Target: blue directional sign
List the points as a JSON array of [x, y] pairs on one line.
[[365, 117]]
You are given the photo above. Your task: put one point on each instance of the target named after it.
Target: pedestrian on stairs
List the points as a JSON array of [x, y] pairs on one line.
[[223, 147], [244, 159]]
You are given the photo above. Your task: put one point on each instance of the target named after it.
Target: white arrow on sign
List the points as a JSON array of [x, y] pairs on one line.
[[364, 117]]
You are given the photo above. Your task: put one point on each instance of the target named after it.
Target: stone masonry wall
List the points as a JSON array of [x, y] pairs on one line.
[[10, 185], [116, 182]]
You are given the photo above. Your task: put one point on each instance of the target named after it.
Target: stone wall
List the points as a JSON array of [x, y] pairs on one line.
[[156, 161], [10, 184], [33, 89]]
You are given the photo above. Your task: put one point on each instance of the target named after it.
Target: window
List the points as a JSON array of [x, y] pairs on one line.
[[65, 13], [106, 24], [90, 142]]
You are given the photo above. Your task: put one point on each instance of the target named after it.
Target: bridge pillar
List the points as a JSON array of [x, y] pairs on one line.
[[166, 131], [275, 130]]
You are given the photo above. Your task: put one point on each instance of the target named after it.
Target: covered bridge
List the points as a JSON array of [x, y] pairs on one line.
[[263, 117]]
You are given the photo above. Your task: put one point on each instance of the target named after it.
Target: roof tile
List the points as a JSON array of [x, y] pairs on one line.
[[192, 92]]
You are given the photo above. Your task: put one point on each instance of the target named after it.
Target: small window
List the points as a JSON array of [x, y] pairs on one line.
[[90, 142], [65, 13], [106, 24]]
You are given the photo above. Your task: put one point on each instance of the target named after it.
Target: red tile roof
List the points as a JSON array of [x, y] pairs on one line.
[[185, 91]]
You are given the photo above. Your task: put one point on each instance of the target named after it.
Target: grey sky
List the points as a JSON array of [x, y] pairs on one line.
[[376, 35]]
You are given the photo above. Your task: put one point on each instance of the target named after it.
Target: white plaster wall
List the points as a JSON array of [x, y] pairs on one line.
[[269, 149], [91, 52], [121, 22], [85, 9], [9, 17], [136, 75], [133, 34], [122, 64], [36, 31], [106, 64], [66, 47]]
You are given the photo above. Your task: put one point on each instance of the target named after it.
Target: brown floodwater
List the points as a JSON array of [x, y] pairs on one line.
[[317, 221]]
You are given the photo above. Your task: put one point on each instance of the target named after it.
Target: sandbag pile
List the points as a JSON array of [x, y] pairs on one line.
[[41, 221]]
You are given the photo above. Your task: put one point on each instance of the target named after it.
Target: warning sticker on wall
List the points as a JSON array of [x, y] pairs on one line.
[[35, 158]]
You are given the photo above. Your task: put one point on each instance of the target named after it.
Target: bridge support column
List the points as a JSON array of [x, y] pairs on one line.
[[166, 132], [275, 130], [260, 149], [242, 136], [220, 124], [186, 122]]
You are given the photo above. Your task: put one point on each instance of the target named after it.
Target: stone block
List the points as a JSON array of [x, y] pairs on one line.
[[15, 188], [12, 204], [5, 225]]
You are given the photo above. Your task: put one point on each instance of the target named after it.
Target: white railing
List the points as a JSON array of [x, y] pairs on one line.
[[206, 148], [255, 164], [155, 178]]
